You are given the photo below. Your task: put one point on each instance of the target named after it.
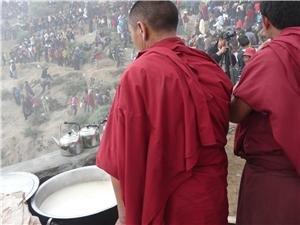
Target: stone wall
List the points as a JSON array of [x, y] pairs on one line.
[[53, 163]]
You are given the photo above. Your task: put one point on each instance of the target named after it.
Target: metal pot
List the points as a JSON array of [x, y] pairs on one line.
[[97, 214], [90, 136], [70, 143]]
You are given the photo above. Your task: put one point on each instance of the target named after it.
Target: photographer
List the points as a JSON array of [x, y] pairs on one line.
[[221, 50]]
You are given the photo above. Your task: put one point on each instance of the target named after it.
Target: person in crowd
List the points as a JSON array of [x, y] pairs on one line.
[[74, 104], [166, 157], [76, 58], [90, 100], [45, 103], [266, 104], [221, 53], [97, 57], [251, 36], [46, 80], [28, 89], [12, 69], [185, 20], [248, 54], [243, 43], [4, 59], [17, 95]]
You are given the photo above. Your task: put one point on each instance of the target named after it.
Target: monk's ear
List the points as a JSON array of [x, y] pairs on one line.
[[266, 23], [143, 30]]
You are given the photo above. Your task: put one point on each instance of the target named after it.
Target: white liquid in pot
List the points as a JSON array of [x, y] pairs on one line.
[[80, 199]]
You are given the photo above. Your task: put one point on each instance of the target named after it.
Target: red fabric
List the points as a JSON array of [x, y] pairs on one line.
[[250, 17], [239, 24], [90, 99], [204, 11], [269, 192], [185, 18], [249, 52], [257, 7], [270, 84], [168, 120], [269, 137]]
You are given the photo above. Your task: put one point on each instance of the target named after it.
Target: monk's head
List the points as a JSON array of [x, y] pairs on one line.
[[151, 21], [277, 15]]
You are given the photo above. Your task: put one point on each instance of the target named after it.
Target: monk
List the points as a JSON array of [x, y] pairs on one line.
[[266, 104], [164, 140]]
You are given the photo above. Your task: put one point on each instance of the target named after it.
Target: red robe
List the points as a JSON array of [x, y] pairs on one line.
[[269, 137], [165, 137]]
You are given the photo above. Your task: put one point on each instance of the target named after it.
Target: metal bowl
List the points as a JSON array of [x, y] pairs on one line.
[[69, 178], [19, 181]]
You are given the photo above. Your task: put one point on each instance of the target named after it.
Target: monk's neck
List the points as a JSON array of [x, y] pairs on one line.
[[274, 32], [156, 37]]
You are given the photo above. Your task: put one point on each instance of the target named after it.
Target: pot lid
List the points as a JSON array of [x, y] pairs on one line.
[[69, 138], [87, 131], [19, 181]]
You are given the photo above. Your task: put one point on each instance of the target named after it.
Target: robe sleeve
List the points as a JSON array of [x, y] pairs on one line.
[[260, 83], [266, 87], [107, 154], [123, 149]]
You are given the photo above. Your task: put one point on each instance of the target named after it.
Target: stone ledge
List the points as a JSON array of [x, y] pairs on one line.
[[53, 163]]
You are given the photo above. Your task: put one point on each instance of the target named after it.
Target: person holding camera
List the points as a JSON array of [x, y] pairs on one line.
[[221, 53]]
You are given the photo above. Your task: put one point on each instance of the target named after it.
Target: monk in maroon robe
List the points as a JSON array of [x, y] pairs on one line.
[[267, 105], [164, 140]]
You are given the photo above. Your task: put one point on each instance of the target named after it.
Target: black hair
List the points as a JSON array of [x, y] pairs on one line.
[[281, 14], [243, 40], [159, 15]]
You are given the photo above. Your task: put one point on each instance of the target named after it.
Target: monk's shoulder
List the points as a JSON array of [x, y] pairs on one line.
[[150, 61], [265, 57], [148, 67]]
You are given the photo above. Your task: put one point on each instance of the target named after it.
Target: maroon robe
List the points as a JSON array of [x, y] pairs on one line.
[[269, 137], [165, 137]]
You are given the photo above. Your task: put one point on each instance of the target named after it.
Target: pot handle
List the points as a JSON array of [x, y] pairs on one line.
[[92, 125], [72, 123], [49, 221]]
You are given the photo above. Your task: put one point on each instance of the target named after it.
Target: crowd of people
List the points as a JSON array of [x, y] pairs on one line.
[[52, 39], [214, 27], [94, 96], [30, 99], [164, 142], [224, 29]]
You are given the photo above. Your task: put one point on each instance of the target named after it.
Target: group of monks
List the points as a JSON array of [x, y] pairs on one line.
[[164, 140]]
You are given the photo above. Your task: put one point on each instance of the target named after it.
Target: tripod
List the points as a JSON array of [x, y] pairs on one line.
[[227, 65]]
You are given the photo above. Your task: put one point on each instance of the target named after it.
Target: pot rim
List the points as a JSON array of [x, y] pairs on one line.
[[40, 212]]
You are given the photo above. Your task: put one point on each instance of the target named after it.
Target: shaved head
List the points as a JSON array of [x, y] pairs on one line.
[[159, 15]]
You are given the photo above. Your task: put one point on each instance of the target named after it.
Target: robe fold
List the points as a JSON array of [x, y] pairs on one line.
[[269, 137], [165, 137]]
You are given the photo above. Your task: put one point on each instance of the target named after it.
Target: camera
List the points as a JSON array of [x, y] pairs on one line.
[[228, 34]]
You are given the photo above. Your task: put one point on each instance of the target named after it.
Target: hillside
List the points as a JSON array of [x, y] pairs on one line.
[[26, 139]]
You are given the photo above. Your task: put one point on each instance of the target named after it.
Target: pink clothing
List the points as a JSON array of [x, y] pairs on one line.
[[74, 101]]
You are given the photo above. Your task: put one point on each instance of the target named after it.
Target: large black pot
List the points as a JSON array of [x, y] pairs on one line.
[[97, 216], [107, 217]]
